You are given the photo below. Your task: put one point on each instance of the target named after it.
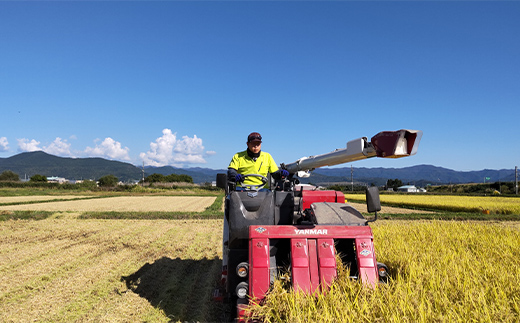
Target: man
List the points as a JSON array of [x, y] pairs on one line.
[[253, 161], [250, 161]]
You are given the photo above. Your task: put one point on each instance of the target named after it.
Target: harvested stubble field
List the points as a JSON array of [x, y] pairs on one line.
[[88, 270], [113, 204], [62, 270]]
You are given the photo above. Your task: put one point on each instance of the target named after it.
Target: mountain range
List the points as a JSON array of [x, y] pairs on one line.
[[38, 162]]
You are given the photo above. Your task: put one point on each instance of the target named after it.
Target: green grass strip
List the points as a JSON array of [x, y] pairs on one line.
[[57, 199], [24, 215]]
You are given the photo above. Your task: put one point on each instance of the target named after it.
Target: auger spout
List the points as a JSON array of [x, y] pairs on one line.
[[386, 144]]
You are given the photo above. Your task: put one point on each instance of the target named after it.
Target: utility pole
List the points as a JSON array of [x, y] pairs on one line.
[[516, 180], [499, 184], [143, 173], [352, 177]]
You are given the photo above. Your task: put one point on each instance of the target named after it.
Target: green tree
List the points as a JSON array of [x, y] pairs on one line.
[[87, 184], [337, 187], [179, 178], [155, 178], [108, 181], [38, 178], [9, 176], [172, 178], [394, 183]]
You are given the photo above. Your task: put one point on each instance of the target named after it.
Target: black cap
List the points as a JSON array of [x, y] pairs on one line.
[[254, 136]]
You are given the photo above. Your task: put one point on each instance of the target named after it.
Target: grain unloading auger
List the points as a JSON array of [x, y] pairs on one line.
[[287, 228]]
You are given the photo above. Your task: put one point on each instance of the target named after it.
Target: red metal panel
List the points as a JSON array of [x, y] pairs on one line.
[[301, 256], [241, 313], [313, 265], [327, 262], [311, 232], [259, 277], [340, 197], [366, 261], [300, 265], [309, 197]]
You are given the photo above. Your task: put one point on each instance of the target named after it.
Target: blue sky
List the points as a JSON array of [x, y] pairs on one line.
[[184, 83]]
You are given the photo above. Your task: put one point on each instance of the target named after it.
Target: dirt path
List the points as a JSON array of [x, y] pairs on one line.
[[388, 209]]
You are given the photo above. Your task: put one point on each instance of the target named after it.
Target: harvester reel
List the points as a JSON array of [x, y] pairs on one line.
[[251, 187]]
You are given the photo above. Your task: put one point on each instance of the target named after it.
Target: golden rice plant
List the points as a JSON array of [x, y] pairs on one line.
[[440, 272], [494, 204]]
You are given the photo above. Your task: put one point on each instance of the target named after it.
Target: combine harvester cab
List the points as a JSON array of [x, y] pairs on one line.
[[289, 230]]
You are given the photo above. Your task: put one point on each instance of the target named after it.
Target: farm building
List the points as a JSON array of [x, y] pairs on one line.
[[408, 189], [55, 179]]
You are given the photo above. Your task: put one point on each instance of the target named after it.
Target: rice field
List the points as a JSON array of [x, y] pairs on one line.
[[440, 272], [62, 270], [453, 203], [120, 270]]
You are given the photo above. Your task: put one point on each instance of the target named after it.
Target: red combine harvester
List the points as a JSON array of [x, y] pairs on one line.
[[300, 231]]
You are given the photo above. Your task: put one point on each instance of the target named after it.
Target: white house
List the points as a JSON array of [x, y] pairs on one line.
[[408, 189], [55, 179]]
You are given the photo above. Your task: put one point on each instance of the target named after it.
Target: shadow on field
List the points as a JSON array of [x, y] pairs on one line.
[[182, 288]]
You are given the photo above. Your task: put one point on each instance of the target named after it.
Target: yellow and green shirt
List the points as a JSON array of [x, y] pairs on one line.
[[244, 165]]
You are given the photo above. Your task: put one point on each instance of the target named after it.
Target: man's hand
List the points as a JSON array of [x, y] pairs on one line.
[[239, 178]]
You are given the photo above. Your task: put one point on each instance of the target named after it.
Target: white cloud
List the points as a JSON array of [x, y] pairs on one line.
[[168, 150], [58, 147], [108, 148], [4, 144], [24, 145], [211, 152]]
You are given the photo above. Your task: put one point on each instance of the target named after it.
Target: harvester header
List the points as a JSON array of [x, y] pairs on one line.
[[386, 144]]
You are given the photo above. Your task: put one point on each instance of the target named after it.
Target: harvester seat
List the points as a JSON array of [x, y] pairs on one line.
[[284, 208]]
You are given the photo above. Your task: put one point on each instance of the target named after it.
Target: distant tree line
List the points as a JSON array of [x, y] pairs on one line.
[[503, 188], [478, 188], [390, 184], [172, 178], [347, 187], [104, 181]]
